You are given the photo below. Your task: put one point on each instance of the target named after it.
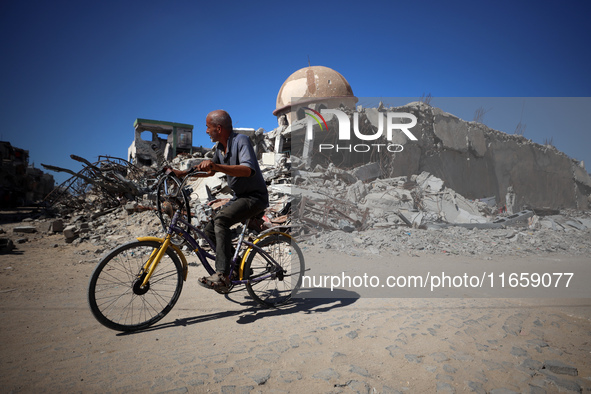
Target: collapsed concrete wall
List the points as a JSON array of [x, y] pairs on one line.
[[472, 159], [478, 162], [20, 184]]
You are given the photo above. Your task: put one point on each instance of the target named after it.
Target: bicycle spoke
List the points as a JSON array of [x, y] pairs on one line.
[[274, 282], [115, 296]]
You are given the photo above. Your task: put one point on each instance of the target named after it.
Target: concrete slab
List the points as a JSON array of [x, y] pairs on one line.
[[367, 172]]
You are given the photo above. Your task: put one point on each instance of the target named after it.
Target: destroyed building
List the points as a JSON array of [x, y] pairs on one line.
[[452, 179], [20, 183], [471, 158], [437, 178], [156, 141], [315, 87]]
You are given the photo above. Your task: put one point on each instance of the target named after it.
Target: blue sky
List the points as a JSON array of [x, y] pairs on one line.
[[76, 74]]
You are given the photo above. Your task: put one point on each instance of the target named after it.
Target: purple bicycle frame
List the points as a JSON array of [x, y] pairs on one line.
[[203, 255]]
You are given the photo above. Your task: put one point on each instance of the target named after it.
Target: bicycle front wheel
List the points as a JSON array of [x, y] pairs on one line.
[[166, 205], [114, 294], [269, 284]]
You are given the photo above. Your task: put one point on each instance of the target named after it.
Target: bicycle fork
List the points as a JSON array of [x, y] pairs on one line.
[[150, 265]]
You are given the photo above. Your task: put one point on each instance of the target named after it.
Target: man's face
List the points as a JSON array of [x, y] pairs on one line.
[[214, 131]]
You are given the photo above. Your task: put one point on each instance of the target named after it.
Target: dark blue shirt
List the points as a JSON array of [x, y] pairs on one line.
[[241, 152]]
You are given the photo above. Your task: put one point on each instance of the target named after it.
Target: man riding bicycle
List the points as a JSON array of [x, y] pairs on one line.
[[235, 157]]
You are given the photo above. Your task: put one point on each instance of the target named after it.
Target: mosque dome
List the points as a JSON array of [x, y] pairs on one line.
[[312, 84]]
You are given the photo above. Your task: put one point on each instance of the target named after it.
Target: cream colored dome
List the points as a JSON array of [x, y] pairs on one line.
[[310, 84]]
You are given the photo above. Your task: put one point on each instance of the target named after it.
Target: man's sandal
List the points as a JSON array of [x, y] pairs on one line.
[[217, 281]]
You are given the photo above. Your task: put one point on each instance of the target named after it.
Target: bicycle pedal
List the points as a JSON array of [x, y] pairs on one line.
[[225, 290]]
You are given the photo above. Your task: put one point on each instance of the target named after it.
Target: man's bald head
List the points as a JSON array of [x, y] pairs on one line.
[[220, 118]]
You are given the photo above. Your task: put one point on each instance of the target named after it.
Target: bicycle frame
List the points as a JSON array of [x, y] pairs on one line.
[[203, 256]]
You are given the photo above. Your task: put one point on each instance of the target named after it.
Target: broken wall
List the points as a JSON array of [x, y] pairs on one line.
[[478, 162], [474, 160], [167, 139]]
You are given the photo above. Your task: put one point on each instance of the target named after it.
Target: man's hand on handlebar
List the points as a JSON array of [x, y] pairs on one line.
[[207, 166], [194, 172]]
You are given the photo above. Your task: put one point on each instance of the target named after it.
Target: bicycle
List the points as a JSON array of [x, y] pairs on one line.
[[136, 284]]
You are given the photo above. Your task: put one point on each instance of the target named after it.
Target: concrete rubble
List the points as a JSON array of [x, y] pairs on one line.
[[475, 161], [334, 209], [379, 232], [419, 214], [361, 208]]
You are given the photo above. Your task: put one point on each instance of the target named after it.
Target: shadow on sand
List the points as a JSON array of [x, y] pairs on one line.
[[253, 311]]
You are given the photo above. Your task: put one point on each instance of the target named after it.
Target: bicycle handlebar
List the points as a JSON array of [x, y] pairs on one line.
[[167, 171], [193, 171]]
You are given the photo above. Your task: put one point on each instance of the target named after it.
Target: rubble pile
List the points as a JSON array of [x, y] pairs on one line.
[[103, 184], [334, 209], [406, 215], [572, 239], [357, 208], [472, 159], [383, 203]]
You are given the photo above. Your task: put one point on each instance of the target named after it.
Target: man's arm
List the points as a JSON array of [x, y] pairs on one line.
[[232, 170]]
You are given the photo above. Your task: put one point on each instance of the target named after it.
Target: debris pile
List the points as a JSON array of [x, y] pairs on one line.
[[103, 184], [381, 203], [335, 209], [360, 208], [472, 159], [551, 234]]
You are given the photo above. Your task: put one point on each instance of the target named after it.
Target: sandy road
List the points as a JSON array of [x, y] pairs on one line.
[[50, 342]]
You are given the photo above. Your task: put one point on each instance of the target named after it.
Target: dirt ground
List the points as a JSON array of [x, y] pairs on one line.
[[211, 343]]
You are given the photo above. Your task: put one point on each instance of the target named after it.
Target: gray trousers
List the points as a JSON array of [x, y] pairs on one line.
[[218, 229]]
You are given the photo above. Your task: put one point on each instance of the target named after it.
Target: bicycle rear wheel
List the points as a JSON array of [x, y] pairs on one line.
[[282, 283], [114, 294]]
